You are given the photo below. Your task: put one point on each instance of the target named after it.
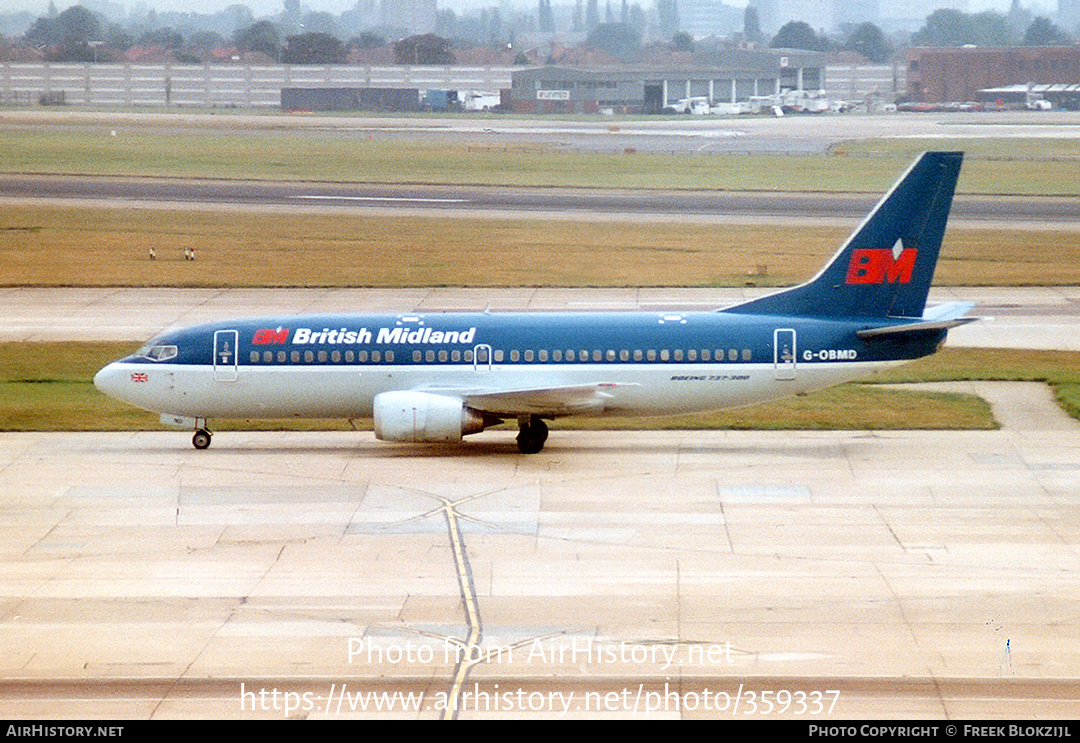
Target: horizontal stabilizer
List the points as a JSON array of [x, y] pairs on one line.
[[941, 317], [914, 327]]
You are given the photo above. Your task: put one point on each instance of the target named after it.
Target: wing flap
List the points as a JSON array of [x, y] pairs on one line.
[[544, 401]]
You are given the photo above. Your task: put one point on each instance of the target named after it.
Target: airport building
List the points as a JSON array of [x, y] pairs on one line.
[[948, 75], [736, 78]]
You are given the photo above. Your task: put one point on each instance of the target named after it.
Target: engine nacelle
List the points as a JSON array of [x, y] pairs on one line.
[[421, 416]]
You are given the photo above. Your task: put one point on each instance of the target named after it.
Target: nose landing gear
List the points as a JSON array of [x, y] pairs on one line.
[[201, 439]]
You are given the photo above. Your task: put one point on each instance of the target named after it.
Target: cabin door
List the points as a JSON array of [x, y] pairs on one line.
[[225, 361], [784, 353]]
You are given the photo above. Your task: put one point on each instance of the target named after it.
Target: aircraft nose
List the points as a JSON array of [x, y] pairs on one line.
[[109, 380]]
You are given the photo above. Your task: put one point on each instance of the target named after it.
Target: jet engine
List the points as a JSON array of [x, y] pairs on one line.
[[424, 417]]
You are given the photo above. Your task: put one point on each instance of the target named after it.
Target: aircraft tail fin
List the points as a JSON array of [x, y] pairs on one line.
[[886, 266]]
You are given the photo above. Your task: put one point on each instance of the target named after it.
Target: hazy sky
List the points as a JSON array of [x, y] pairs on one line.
[[265, 7]]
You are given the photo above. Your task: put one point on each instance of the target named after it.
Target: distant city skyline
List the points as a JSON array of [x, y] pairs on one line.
[[265, 8], [269, 7]]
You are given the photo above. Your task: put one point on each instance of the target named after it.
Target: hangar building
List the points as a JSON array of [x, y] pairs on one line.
[[735, 76]]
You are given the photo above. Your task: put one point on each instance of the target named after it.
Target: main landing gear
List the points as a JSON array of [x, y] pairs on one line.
[[532, 434], [201, 439]]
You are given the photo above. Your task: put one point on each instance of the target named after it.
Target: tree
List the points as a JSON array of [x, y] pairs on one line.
[[947, 27], [683, 42], [313, 48], [367, 40], [68, 34], [76, 26], [798, 35], [427, 49], [1042, 32], [620, 40], [869, 41], [944, 27], [261, 36], [163, 37]]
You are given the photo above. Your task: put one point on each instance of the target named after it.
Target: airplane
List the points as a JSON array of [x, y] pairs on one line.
[[437, 377]]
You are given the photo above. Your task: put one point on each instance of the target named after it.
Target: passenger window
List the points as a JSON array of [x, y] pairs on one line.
[[416, 356], [665, 355], [556, 355], [624, 355], [443, 356], [268, 356], [733, 355], [498, 356], [542, 354], [705, 355], [514, 356], [336, 357], [281, 357], [455, 356], [429, 356], [638, 355], [309, 357], [652, 355], [254, 357], [610, 355], [528, 355], [294, 357], [746, 354], [389, 357], [678, 354], [376, 357], [691, 355], [361, 357]]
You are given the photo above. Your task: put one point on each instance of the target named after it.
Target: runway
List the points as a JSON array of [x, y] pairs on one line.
[[719, 574], [716, 206]]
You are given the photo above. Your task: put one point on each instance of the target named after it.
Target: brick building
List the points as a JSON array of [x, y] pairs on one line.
[[958, 74]]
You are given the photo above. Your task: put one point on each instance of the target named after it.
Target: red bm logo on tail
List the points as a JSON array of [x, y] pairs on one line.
[[270, 335], [879, 266]]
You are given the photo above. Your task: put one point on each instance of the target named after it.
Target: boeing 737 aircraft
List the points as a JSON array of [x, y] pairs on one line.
[[439, 377]]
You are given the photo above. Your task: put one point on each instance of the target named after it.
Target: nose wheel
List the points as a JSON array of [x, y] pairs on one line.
[[201, 439]]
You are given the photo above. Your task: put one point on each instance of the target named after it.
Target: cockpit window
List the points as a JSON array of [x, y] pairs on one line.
[[157, 352]]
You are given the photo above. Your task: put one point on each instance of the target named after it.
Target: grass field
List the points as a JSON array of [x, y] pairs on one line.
[[74, 246], [992, 166], [48, 387]]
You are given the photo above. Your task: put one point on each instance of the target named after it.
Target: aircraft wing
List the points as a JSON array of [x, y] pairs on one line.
[[544, 401]]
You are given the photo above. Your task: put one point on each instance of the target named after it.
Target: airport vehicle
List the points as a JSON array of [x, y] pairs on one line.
[[439, 377]]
